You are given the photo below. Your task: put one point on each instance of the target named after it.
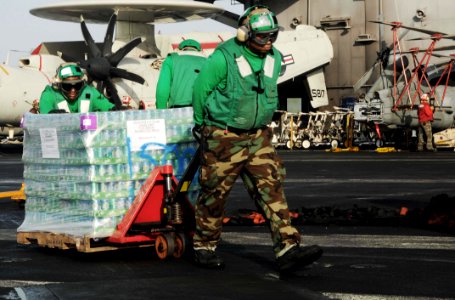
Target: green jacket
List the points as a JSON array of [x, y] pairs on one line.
[[89, 100], [177, 75], [237, 88]]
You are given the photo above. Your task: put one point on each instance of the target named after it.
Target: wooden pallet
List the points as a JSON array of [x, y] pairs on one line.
[[65, 242]]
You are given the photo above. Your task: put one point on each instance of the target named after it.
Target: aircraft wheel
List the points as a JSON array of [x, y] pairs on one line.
[[306, 144], [164, 245], [298, 144], [334, 144], [180, 245], [379, 143]]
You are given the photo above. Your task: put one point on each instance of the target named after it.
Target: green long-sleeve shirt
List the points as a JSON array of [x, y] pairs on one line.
[[163, 88], [213, 76], [177, 75]]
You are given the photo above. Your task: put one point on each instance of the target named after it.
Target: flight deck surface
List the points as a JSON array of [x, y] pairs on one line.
[[386, 258]]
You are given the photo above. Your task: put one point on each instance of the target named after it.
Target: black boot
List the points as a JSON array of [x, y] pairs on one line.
[[208, 259], [298, 257]]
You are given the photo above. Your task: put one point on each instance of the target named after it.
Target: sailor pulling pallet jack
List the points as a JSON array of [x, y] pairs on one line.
[[234, 98]]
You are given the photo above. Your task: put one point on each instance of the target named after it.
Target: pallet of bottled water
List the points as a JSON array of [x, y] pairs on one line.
[[82, 171]]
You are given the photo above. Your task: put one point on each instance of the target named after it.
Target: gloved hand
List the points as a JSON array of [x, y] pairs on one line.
[[57, 111], [197, 128], [197, 132]]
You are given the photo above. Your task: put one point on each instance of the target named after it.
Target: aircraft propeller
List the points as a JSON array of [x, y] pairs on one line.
[[101, 64]]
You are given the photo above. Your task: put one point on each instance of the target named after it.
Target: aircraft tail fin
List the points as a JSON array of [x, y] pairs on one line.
[[318, 89]]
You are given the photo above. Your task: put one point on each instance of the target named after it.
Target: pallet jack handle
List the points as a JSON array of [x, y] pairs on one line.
[[188, 176], [167, 172]]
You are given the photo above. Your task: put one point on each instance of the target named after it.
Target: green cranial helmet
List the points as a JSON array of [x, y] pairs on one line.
[[264, 22], [70, 70], [191, 44], [261, 24], [70, 77]]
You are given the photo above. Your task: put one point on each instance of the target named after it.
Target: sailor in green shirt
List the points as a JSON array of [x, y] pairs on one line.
[[71, 94], [177, 75], [234, 98]]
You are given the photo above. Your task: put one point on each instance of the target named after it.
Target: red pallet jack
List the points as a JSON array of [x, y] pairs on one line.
[[161, 213]]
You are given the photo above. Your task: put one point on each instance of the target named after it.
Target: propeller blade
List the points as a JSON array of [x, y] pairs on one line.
[[101, 86], [115, 58], [365, 77], [94, 51], [112, 90], [122, 73], [89, 80], [66, 57], [108, 39]]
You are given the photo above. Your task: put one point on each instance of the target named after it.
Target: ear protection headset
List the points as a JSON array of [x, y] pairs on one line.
[[244, 31], [57, 81]]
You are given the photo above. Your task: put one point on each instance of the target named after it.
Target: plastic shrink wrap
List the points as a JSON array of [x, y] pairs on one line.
[[82, 171]]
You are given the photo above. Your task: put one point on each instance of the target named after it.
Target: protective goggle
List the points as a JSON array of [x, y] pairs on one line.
[[262, 38], [68, 86]]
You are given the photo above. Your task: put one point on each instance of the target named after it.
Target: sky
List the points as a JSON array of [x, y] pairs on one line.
[[22, 32]]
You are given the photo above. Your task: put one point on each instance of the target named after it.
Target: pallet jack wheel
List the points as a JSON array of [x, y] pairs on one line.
[[180, 245], [164, 245]]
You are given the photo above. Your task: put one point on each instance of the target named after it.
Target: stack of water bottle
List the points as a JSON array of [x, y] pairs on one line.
[[82, 171]]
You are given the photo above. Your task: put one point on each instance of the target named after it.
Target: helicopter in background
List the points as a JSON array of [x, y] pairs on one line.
[[405, 74]]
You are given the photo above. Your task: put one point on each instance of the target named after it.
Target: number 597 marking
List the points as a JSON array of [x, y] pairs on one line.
[[315, 93]]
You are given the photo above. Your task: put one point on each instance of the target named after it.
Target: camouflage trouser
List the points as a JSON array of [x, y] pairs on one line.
[[425, 127], [225, 156]]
